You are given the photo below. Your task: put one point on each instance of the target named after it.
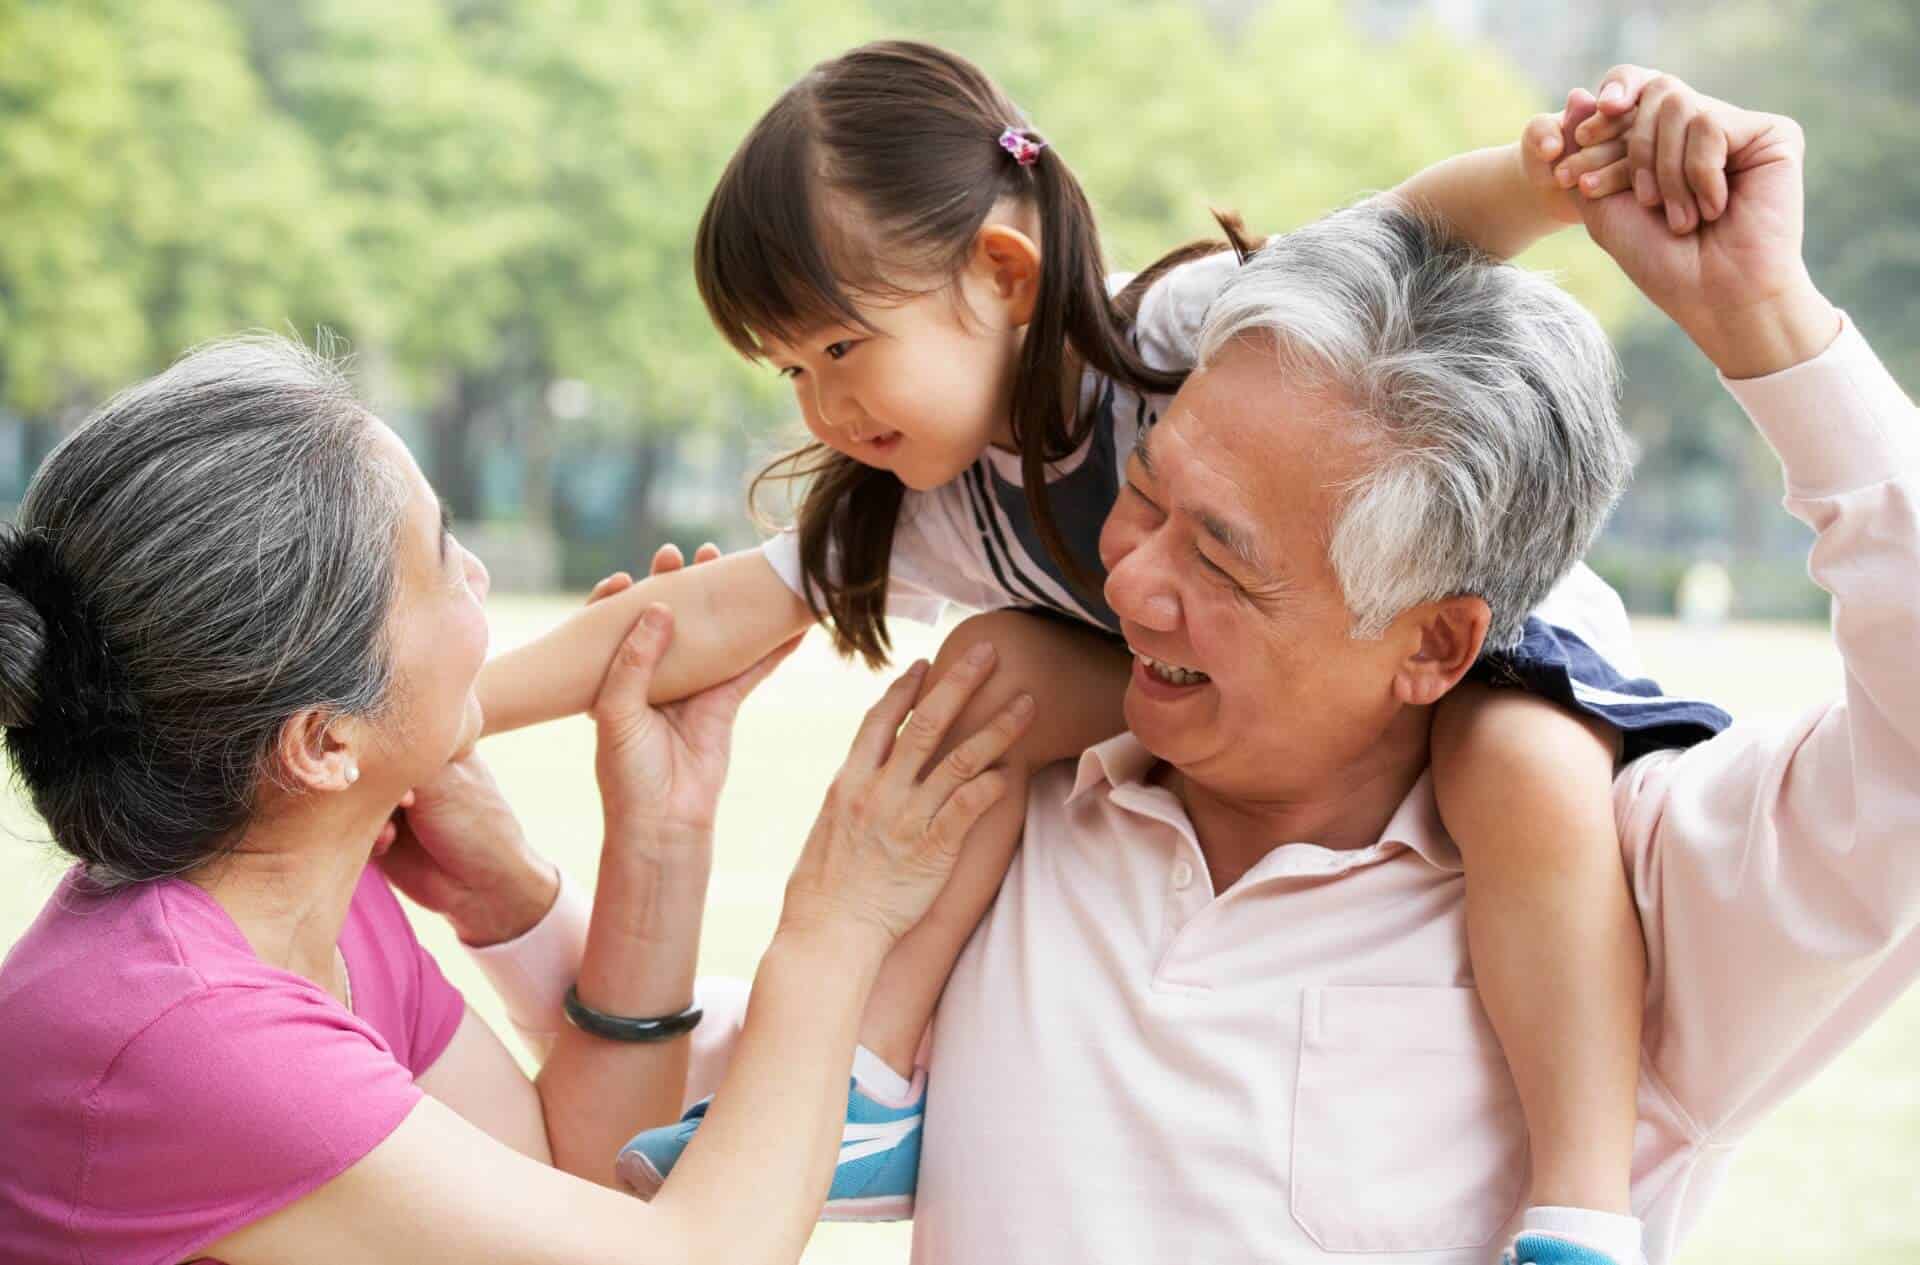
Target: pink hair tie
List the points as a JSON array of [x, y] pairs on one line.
[[1023, 145]]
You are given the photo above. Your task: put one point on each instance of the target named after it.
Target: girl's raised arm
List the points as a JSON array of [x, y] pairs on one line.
[[729, 614], [1505, 198]]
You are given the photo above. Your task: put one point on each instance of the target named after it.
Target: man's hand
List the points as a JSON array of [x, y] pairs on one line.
[[1737, 285]]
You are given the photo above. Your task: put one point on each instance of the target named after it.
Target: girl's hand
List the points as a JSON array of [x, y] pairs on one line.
[[1674, 155], [1577, 151], [887, 836], [1546, 147], [661, 768]]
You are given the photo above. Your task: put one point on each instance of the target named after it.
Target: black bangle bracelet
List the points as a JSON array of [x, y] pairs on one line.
[[620, 1028]]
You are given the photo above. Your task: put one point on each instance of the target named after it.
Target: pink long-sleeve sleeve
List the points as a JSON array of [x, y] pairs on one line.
[[1778, 872]]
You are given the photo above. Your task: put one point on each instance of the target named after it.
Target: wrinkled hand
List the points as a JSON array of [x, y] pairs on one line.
[[887, 837], [1697, 163], [456, 848], [662, 768]]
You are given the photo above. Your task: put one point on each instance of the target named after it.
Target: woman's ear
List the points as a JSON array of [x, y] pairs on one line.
[[319, 751], [1006, 263], [1444, 640]]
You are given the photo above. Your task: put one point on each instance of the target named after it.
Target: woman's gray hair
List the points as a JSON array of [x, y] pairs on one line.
[[1491, 392], [208, 555]]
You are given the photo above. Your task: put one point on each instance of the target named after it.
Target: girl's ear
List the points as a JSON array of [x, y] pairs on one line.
[[319, 751], [1006, 263]]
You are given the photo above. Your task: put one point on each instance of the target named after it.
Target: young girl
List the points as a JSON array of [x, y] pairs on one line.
[[927, 273]]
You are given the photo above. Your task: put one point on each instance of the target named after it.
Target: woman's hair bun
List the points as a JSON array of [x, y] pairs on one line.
[[23, 636]]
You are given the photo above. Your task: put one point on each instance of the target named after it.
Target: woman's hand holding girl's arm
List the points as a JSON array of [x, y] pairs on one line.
[[660, 772], [729, 613]]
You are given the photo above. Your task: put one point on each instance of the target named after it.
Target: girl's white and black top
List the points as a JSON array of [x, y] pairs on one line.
[[973, 542]]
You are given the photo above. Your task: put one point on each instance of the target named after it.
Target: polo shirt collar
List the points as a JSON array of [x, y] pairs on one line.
[[1122, 762]]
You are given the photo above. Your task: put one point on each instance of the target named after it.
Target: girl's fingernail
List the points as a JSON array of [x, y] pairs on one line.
[[1023, 705], [1612, 93], [980, 654], [1590, 181], [918, 670], [655, 618], [1564, 174], [1676, 218]]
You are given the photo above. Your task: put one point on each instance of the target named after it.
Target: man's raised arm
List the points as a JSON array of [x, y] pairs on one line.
[[1778, 873]]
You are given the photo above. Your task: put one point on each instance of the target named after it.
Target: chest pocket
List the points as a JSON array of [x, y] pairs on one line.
[[1407, 1130]]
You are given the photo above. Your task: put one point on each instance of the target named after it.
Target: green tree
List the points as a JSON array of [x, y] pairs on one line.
[[151, 201]]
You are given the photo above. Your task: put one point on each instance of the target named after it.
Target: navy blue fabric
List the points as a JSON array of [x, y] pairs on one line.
[[1080, 502], [1557, 665]]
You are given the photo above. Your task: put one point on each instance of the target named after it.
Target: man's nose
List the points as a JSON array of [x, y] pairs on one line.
[[1139, 589]]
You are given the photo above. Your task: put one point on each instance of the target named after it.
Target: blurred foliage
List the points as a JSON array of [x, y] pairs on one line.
[[488, 197]]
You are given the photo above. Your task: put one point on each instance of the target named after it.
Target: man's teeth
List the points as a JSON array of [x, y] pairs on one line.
[[1173, 675]]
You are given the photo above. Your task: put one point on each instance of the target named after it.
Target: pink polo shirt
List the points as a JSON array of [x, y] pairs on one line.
[[1131, 1067], [161, 1086]]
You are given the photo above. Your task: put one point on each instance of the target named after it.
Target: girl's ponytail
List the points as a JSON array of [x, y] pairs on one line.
[[1072, 311]]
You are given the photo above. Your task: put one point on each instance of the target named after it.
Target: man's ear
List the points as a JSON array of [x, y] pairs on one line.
[[1007, 263], [319, 751], [1444, 640]]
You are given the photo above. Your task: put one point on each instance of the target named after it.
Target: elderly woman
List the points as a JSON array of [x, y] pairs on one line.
[[235, 634]]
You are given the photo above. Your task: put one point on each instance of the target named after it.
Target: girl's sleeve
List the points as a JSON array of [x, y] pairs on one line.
[[232, 1104], [1171, 314]]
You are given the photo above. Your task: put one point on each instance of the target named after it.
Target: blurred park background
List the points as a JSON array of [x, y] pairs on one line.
[[492, 201]]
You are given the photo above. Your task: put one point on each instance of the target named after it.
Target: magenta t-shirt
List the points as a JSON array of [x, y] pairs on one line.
[[160, 1086]]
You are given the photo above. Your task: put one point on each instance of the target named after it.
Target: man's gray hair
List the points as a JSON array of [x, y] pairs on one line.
[[1491, 394]]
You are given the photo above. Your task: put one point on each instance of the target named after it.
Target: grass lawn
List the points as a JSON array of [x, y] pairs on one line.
[[1838, 1160]]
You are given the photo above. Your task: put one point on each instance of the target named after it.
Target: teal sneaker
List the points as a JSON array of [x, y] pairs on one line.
[[1534, 1247], [879, 1156]]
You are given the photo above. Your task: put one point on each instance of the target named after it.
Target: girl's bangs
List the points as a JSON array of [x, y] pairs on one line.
[[764, 258]]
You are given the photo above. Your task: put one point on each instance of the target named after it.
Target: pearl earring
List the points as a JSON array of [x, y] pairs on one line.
[[353, 773]]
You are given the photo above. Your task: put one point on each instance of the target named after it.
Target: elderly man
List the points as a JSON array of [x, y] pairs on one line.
[[1223, 1009]]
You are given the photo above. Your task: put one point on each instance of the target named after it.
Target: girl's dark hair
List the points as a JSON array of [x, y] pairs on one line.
[[208, 555], [907, 136]]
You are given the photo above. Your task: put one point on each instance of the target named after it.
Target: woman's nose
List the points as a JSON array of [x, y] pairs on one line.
[[478, 580]]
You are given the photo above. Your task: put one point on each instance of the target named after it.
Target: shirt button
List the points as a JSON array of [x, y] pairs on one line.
[[1182, 876]]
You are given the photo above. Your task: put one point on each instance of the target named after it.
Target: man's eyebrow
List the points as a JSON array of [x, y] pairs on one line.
[[1234, 538], [1140, 454]]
